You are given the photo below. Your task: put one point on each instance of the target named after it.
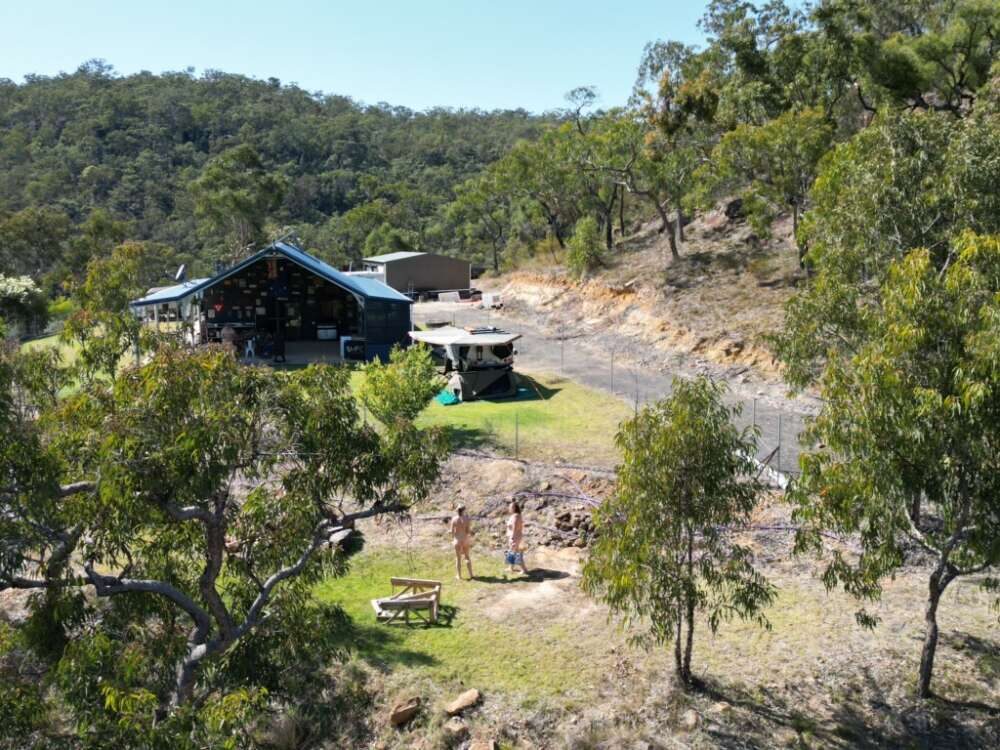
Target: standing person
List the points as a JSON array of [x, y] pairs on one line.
[[515, 539], [279, 344], [461, 531]]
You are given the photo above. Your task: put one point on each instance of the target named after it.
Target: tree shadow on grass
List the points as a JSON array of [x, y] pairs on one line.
[[469, 437], [862, 720], [385, 646], [984, 652]]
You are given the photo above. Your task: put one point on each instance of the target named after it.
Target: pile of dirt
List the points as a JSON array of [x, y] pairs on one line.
[[556, 502]]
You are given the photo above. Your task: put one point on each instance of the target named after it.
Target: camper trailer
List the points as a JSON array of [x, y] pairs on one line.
[[478, 361]]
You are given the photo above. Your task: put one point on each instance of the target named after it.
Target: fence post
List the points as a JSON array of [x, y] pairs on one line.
[[779, 442], [562, 351]]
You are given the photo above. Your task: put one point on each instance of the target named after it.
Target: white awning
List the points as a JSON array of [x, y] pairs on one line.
[[454, 336]]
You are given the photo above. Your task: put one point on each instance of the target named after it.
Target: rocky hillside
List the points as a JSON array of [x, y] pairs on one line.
[[715, 304]]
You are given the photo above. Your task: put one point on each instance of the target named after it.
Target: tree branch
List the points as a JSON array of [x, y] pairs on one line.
[[111, 585]]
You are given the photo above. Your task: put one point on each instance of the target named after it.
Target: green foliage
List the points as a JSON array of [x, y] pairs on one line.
[[664, 548], [907, 181], [905, 444], [772, 166], [584, 250], [235, 195], [103, 326], [925, 55], [22, 706], [32, 239], [402, 387], [91, 158], [205, 491]]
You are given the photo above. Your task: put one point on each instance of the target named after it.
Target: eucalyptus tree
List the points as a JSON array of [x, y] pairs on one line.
[[200, 501], [483, 210], [665, 548], [234, 195], [583, 252], [772, 166], [904, 450], [929, 56], [908, 181], [102, 327], [536, 171]]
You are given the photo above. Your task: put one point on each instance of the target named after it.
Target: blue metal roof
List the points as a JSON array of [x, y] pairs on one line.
[[169, 293], [367, 288]]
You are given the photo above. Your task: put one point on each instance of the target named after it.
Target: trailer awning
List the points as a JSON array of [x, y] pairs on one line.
[[454, 336]]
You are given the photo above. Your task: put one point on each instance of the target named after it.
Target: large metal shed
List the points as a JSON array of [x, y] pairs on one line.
[[284, 292], [413, 273]]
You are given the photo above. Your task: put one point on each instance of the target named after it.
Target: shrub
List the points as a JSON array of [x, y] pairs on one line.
[[584, 249]]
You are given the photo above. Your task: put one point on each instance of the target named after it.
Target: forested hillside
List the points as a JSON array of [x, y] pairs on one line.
[[190, 548], [92, 158]]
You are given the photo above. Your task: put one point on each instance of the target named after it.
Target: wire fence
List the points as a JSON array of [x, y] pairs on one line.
[[562, 353]]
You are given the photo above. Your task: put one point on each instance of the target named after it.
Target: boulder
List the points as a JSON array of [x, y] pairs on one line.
[[466, 700], [404, 711], [690, 720], [455, 728]]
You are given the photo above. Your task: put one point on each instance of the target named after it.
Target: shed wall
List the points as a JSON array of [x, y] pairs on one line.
[[423, 273]]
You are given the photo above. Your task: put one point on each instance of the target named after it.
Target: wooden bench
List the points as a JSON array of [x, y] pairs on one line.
[[416, 596]]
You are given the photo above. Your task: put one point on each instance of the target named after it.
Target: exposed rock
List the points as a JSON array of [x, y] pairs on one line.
[[466, 700], [690, 720], [14, 606], [404, 711], [455, 727], [484, 744]]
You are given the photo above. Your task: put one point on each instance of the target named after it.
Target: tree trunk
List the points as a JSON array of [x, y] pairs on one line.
[[666, 226], [664, 219], [939, 580], [678, 660], [680, 225], [558, 234], [621, 210], [689, 645], [915, 509], [671, 237], [609, 221], [801, 248]]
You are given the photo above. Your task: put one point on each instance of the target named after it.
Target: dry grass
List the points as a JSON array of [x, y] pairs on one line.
[[555, 672]]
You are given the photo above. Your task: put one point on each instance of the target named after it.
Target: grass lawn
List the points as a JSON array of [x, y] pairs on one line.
[[561, 420], [68, 352], [472, 644]]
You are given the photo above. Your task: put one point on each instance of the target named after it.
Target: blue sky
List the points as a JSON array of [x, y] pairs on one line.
[[422, 53]]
